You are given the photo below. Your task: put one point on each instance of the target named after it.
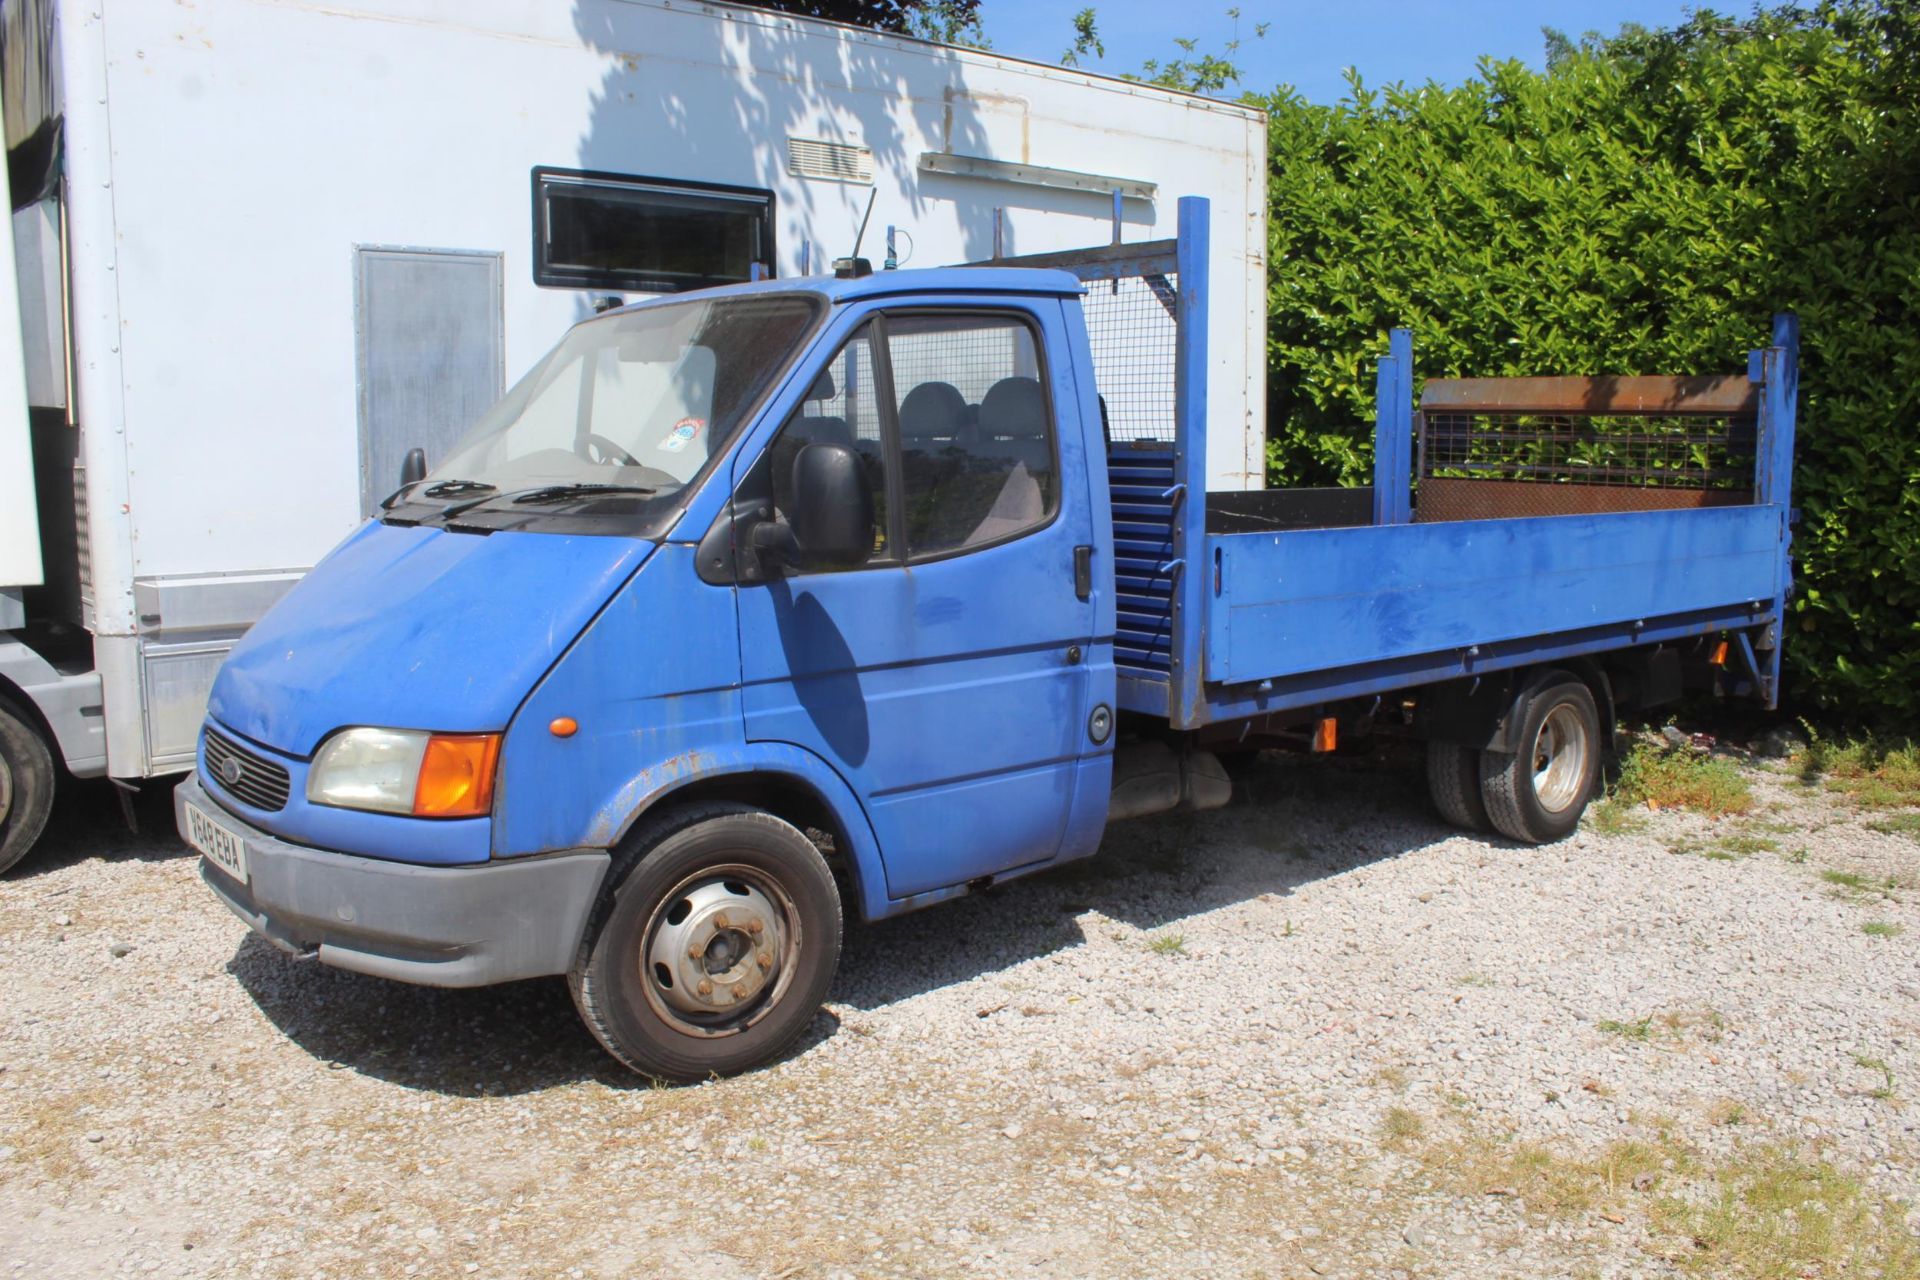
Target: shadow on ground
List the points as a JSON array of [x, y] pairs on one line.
[[1295, 821], [90, 820]]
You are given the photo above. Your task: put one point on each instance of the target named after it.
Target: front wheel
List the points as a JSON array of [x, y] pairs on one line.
[[1538, 793], [26, 785], [716, 948]]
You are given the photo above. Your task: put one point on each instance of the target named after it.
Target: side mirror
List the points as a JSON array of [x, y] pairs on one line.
[[832, 517], [414, 468]]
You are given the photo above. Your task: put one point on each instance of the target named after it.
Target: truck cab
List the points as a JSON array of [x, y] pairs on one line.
[[738, 607]]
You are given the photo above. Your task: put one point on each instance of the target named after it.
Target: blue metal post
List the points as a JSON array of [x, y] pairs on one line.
[[1116, 215], [1778, 370], [1186, 697], [756, 271], [1393, 433], [893, 258]]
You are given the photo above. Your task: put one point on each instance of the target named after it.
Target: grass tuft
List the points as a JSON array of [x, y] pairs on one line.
[[1168, 944], [1899, 824], [1613, 816], [1400, 1125], [1654, 778], [1876, 773], [1771, 1214], [1638, 1029], [1766, 1212], [1880, 929]]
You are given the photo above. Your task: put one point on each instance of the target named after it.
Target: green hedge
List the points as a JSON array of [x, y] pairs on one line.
[[1641, 207]]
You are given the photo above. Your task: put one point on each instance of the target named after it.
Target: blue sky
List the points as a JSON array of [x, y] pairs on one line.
[[1310, 41]]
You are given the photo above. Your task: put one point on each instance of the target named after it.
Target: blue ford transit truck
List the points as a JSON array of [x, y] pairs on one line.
[[753, 608]]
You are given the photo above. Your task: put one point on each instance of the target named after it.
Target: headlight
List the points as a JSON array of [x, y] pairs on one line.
[[427, 775]]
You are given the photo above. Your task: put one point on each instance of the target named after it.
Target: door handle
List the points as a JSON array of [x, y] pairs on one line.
[[1083, 572]]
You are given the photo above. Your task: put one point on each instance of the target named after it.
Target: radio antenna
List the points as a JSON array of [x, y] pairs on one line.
[[862, 234]]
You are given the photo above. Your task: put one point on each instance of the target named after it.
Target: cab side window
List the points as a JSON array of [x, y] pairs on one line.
[[977, 452], [842, 407]]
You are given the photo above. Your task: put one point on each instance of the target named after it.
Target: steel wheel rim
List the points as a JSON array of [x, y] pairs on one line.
[[1560, 759], [6, 790], [718, 950]]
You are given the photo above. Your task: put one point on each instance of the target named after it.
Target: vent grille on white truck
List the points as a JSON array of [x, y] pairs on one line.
[[834, 161]]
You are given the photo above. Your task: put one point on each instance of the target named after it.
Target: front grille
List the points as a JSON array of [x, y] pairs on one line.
[[246, 776]]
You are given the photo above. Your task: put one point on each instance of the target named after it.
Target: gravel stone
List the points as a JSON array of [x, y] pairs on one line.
[[1230, 1110]]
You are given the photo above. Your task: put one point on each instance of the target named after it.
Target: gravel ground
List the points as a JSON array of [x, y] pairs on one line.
[[1314, 1034]]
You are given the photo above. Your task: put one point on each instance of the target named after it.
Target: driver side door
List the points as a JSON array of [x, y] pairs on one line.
[[945, 676]]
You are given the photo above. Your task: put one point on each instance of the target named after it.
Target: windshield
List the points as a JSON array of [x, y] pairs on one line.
[[632, 405]]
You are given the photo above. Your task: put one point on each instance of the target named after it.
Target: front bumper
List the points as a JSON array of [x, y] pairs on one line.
[[463, 926]]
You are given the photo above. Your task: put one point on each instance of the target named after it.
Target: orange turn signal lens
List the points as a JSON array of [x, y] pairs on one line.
[[563, 726], [1719, 658], [1326, 734], [456, 776]]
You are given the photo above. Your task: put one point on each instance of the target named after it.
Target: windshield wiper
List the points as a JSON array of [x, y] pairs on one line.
[[545, 493], [438, 489], [454, 488], [561, 492]]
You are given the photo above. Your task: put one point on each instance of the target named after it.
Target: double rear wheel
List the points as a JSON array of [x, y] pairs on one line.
[[1535, 794]]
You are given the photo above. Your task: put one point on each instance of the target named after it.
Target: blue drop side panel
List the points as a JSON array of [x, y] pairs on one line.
[[1320, 599]]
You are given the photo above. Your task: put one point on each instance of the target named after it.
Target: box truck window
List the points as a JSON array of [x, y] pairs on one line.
[[647, 235]]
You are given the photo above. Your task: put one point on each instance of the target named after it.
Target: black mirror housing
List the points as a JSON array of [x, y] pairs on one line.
[[413, 468], [832, 517]]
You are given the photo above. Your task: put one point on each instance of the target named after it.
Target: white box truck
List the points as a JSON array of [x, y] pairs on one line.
[[264, 248]]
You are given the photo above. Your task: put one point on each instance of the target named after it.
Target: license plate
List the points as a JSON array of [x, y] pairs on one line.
[[220, 846]]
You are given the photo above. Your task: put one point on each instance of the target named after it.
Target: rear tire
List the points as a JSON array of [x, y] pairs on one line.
[[26, 785], [1536, 795], [1453, 777], [713, 949]]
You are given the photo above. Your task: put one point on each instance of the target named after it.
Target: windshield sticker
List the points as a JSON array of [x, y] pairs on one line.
[[683, 434]]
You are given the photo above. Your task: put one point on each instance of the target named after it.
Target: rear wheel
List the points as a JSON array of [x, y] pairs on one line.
[[26, 785], [1453, 776], [716, 947], [1538, 793]]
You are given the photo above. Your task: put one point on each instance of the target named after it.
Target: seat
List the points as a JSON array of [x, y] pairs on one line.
[[934, 440], [1013, 423]]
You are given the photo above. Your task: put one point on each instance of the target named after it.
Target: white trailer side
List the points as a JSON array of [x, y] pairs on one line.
[[295, 238]]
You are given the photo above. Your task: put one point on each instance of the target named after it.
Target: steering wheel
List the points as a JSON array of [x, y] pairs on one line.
[[609, 452]]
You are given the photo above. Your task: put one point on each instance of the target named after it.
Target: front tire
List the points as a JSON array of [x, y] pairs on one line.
[[26, 785], [714, 949], [1537, 794]]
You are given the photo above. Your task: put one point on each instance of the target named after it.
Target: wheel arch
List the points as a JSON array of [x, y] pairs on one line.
[[1484, 713], [16, 660], [787, 782]]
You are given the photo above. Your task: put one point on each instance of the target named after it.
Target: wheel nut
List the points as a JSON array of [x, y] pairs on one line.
[[766, 959], [739, 991], [754, 926], [719, 919], [706, 987], [695, 951]]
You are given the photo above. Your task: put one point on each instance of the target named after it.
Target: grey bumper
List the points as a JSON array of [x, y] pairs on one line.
[[464, 926]]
